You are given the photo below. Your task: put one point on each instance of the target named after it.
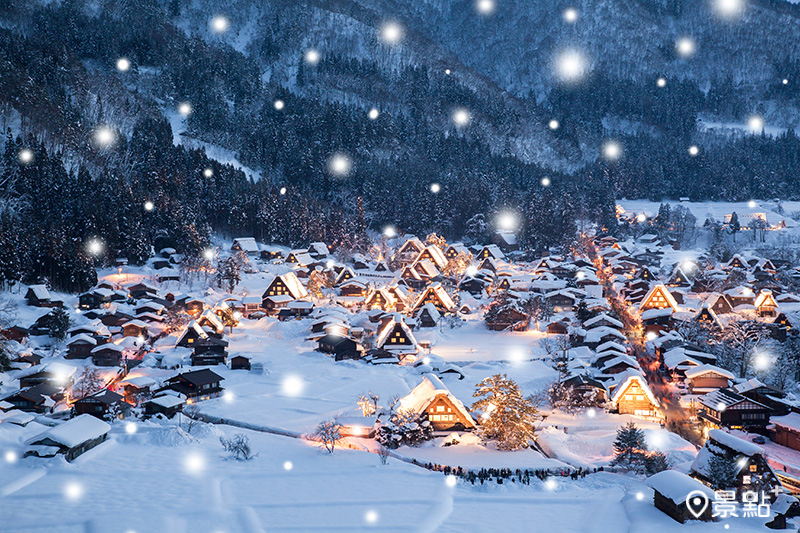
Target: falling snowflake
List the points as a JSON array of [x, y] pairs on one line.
[[694, 150], [435, 188], [685, 46], [485, 7], [570, 15], [612, 150], [148, 206], [104, 136], [461, 117], [553, 124], [312, 56], [219, 24], [373, 113], [661, 82], [123, 64], [185, 109], [571, 66], [391, 33], [293, 386], [208, 173], [340, 165], [25, 156]]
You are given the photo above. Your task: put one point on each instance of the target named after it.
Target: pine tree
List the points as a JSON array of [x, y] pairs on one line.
[[721, 471], [630, 448], [733, 225], [505, 415], [60, 323]]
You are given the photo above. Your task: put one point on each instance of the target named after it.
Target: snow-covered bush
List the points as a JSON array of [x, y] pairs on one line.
[[404, 429]]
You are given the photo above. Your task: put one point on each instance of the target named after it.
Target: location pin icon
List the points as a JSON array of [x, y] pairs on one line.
[[697, 503]]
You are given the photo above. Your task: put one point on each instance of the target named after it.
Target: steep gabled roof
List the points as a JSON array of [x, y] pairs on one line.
[[426, 392]]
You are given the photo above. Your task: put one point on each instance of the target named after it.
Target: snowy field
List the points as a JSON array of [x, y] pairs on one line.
[[718, 210], [161, 479]]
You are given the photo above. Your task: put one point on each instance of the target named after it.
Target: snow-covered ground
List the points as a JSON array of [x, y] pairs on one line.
[[162, 479], [718, 210]]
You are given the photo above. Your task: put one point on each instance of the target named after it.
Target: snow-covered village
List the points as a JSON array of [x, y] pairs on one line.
[[368, 265]]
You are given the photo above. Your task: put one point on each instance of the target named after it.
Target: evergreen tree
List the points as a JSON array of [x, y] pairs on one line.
[[60, 323], [505, 415], [630, 449]]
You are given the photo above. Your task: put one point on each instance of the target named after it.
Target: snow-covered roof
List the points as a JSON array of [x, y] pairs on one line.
[[82, 338], [595, 334], [603, 317], [246, 244], [139, 382], [167, 401], [427, 391], [676, 486], [735, 443], [790, 421], [74, 432], [40, 291], [628, 377], [383, 336], [704, 369]]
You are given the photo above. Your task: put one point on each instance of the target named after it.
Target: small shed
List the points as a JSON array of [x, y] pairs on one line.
[[670, 492], [72, 438]]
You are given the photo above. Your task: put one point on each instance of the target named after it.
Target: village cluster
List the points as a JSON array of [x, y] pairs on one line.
[[620, 335]]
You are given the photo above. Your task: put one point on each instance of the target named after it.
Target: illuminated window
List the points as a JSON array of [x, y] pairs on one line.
[[440, 408]]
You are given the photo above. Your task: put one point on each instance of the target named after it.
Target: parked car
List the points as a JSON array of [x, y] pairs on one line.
[[758, 439]]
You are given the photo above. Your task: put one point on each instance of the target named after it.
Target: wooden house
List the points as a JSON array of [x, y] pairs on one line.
[[509, 318], [787, 430], [765, 395], [436, 295], [703, 379], [340, 346], [14, 333], [633, 396], [707, 317], [428, 316], [248, 245], [408, 251], [240, 362], [37, 399], [380, 299], [72, 438], [318, 250], [753, 472], [191, 334], [57, 374], [765, 304], [195, 307], [727, 408], [395, 336], [209, 351], [142, 290], [452, 251], [285, 285], [491, 250], [737, 261], [670, 492], [659, 297], [80, 346], [135, 328], [210, 321], [101, 403], [166, 405], [196, 385], [39, 296], [353, 288], [108, 354], [719, 303], [740, 295], [444, 411]]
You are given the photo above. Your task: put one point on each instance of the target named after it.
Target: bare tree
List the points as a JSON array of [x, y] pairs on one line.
[[328, 433], [189, 417], [383, 454], [736, 345], [238, 446]]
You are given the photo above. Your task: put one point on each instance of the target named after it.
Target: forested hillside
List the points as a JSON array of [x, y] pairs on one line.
[[103, 141]]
